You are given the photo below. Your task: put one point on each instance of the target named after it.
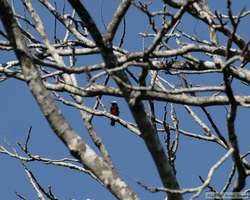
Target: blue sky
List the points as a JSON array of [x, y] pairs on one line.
[[19, 111]]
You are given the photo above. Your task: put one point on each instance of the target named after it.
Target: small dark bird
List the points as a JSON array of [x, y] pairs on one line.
[[114, 110]]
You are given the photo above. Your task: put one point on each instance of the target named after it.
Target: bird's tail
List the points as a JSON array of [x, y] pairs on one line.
[[112, 123]]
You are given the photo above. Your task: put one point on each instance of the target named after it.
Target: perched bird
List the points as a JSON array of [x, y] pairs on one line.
[[114, 110]]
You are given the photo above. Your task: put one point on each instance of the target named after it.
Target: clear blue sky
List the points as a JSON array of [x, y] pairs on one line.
[[18, 111]]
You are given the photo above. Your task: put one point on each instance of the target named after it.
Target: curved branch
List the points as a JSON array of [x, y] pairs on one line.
[[116, 19]]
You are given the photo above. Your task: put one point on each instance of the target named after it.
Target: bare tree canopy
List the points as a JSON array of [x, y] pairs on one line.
[[170, 76]]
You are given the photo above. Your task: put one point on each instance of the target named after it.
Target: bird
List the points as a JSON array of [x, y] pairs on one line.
[[114, 110]]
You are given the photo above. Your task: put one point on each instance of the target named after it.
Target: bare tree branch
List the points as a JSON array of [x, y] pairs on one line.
[[156, 57]]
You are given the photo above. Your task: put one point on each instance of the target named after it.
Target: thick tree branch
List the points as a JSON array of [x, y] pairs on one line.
[[56, 120]]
